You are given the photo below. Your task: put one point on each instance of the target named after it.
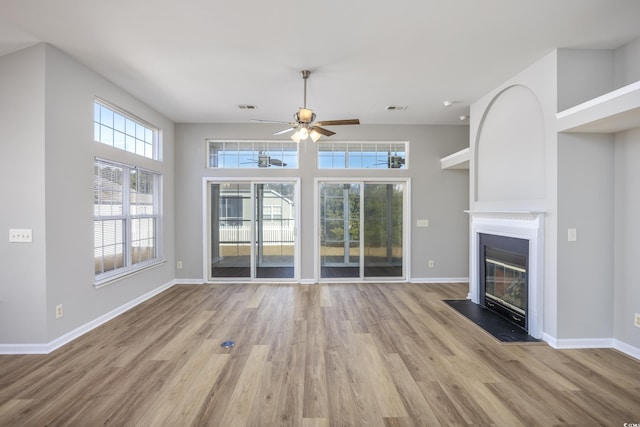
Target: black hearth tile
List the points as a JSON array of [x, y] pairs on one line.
[[496, 325]]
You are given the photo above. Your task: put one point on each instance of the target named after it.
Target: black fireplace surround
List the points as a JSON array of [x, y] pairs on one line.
[[504, 263]]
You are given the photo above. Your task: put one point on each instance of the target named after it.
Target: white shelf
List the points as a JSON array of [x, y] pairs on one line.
[[613, 112], [459, 160]]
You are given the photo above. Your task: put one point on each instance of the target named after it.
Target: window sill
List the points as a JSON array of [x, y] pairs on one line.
[[124, 273]]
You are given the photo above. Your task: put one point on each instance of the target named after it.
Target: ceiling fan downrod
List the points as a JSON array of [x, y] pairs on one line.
[[304, 116], [305, 75]]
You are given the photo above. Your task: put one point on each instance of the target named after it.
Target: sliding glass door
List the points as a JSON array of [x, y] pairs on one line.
[[361, 229], [252, 230], [339, 230], [274, 230], [382, 230]]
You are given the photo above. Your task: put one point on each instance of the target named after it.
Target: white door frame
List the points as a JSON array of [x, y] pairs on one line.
[[206, 227], [406, 228]]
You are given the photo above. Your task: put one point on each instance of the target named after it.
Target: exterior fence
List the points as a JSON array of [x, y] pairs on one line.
[[242, 233]]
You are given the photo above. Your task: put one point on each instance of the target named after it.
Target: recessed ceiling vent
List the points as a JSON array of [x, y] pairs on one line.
[[247, 107], [395, 107]]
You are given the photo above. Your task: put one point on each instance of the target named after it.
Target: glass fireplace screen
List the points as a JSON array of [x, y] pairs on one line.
[[506, 279]]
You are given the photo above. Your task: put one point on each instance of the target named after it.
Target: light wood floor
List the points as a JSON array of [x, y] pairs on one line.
[[312, 355]]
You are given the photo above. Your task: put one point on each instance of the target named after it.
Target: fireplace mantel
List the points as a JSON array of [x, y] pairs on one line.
[[528, 225], [531, 215]]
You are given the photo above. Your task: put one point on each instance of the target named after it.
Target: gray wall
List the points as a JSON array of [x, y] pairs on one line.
[[583, 75], [437, 195], [585, 267], [627, 236], [627, 64], [22, 189], [48, 143]]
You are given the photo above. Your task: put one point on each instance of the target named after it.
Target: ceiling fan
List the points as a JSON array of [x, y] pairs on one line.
[[305, 125]]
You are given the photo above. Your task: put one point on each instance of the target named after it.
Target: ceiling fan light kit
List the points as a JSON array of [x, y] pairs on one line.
[[304, 125]]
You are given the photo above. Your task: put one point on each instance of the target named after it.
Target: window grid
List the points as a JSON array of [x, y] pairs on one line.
[[122, 131], [126, 218], [362, 155], [252, 154]]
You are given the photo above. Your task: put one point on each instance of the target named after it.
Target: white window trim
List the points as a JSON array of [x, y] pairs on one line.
[[102, 279], [406, 232], [379, 146], [157, 140], [255, 149]]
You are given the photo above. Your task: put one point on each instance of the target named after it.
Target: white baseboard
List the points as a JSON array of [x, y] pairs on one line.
[[189, 282], [627, 349], [440, 280], [565, 344], [81, 330]]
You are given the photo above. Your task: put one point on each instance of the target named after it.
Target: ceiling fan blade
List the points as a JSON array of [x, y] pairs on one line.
[[284, 131], [323, 131], [271, 121], [339, 122]]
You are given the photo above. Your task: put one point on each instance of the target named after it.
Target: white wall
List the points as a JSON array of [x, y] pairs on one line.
[[437, 195], [22, 189], [49, 141], [510, 148], [535, 87]]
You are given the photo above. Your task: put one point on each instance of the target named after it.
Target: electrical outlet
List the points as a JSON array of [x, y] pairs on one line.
[[637, 320], [179, 264], [431, 263], [59, 311]]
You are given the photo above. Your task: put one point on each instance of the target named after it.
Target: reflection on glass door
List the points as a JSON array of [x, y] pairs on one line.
[[274, 230], [339, 230], [373, 250], [252, 230]]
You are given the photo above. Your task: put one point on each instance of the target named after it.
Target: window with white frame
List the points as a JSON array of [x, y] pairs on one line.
[[124, 131], [362, 155], [126, 218], [252, 154]]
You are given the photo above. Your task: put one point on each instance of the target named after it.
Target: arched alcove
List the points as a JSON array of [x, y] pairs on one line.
[[510, 148]]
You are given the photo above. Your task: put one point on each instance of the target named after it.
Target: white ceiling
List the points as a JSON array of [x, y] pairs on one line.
[[196, 60]]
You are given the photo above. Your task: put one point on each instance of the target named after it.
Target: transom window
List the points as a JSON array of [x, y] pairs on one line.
[[252, 154], [124, 131], [126, 219], [362, 155]]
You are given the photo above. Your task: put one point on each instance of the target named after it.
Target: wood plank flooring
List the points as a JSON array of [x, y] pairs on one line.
[[312, 355]]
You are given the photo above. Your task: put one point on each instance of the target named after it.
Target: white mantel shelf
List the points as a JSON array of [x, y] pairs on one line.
[[505, 214], [457, 160], [616, 111]]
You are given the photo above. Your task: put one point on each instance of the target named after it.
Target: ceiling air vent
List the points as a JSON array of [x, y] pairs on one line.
[[247, 107], [395, 107]]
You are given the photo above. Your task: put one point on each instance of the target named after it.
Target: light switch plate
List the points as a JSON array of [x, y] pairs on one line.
[[572, 235], [20, 235], [422, 223]]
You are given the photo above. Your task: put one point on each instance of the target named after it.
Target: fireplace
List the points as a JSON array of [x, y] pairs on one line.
[[503, 276], [527, 227]]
